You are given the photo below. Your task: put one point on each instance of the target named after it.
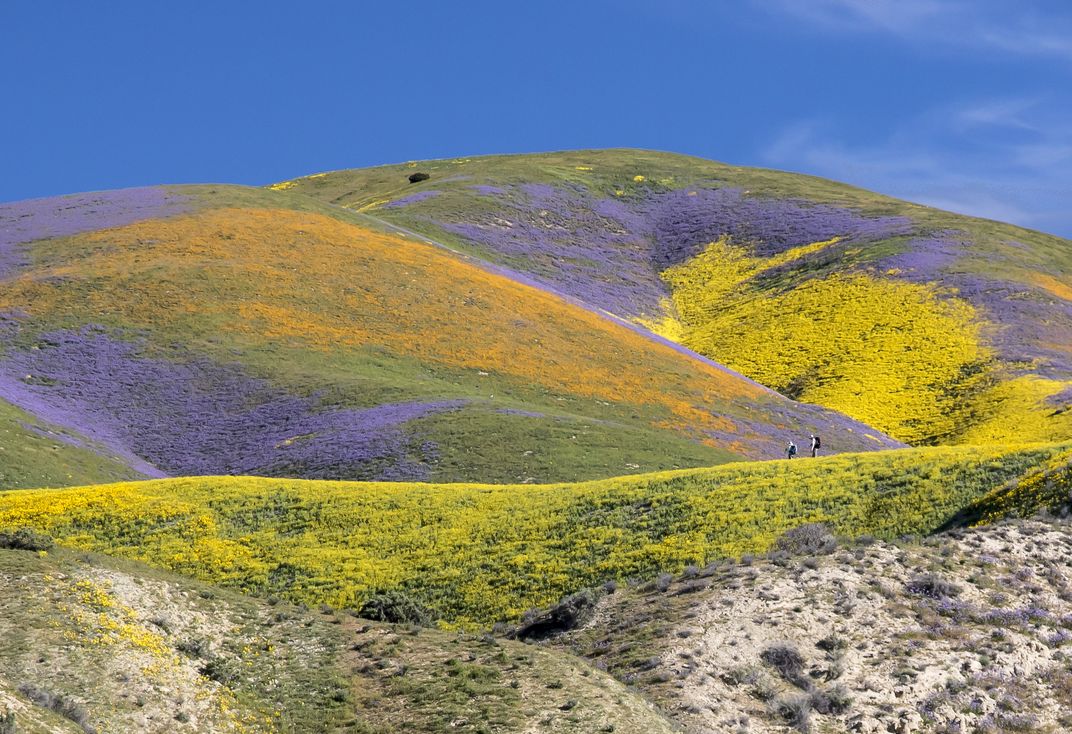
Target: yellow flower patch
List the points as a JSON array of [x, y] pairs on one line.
[[895, 355]]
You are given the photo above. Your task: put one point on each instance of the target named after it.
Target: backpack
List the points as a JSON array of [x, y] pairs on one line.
[[818, 443]]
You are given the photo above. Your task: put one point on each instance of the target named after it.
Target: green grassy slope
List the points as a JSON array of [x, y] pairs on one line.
[[34, 453]]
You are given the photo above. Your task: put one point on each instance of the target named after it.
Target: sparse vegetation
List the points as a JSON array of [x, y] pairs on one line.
[[7, 722], [62, 704]]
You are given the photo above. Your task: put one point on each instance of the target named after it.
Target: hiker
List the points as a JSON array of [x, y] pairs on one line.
[[816, 443], [791, 450]]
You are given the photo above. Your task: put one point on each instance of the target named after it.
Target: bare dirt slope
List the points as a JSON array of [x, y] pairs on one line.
[[966, 632]]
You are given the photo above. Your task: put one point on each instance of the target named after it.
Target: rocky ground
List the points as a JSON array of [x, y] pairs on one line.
[[963, 632]]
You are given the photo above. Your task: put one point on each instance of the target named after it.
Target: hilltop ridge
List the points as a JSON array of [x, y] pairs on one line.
[[931, 326], [230, 330]]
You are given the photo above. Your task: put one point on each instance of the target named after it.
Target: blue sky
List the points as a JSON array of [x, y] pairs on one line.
[[963, 104]]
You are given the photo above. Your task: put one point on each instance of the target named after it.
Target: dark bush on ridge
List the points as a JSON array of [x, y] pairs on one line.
[[25, 539], [811, 539], [562, 617], [418, 177], [396, 607]]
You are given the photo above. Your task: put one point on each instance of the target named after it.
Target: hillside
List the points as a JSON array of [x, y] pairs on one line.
[[229, 330], [930, 326], [473, 555], [91, 645], [968, 626], [967, 631]]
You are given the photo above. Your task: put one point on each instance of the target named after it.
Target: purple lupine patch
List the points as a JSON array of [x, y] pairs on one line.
[[62, 216], [1027, 326], [683, 222], [554, 235], [926, 258], [488, 190], [196, 417], [1061, 399], [412, 199], [608, 252], [770, 437]]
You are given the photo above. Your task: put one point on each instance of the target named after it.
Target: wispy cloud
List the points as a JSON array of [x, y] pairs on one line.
[[991, 24], [1002, 159]]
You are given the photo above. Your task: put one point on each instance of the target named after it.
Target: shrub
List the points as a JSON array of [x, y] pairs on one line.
[[195, 647], [396, 607], [564, 616], [418, 177], [811, 539], [62, 704], [933, 586], [221, 670], [7, 722], [25, 539], [835, 700], [764, 687], [832, 642], [794, 710], [788, 661]]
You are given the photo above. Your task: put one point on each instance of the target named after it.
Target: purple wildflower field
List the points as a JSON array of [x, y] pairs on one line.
[[608, 252], [411, 199], [683, 221], [926, 258], [488, 190], [773, 433], [1029, 326], [200, 418], [579, 250], [38, 219]]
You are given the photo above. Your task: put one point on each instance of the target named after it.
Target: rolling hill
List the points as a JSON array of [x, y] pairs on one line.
[[229, 330], [968, 626], [474, 555], [89, 644], [929, 326], [530, 398]]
